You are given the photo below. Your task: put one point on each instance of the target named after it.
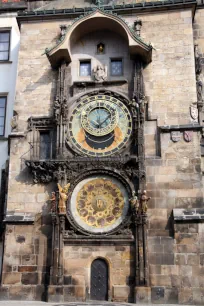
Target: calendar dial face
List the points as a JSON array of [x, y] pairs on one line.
[[99, 126], [99, 203]]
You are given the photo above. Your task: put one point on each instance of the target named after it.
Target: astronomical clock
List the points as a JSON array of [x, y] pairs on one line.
[[99, 129], [96, 160], [99, 126]]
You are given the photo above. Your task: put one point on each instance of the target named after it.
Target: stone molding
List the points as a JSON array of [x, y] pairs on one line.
[[192, 214], [183, 127]]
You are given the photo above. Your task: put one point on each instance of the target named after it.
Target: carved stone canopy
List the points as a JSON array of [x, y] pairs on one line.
[[97, 20]]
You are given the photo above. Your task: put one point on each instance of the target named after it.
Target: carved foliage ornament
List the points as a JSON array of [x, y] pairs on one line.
[[47, 171]]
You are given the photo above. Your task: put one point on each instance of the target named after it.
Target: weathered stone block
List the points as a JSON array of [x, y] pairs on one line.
[[27, 268], [55, 294], [157, 295], [121, 293], [180, 259], [29, 278], [69, 293], [80, 292], [28, 260], [142, 295], [193, 260], [171, 295], [160, 280], [4, 293], [185, 296], [21, 293], [11, 278]]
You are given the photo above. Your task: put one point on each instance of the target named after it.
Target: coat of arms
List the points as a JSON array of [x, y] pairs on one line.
[[194, 112], [188, 135], [175, 136]]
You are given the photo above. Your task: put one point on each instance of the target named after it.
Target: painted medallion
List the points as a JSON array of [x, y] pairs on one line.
[[99, 203]]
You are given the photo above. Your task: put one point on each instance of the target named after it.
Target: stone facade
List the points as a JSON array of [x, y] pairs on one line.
[[173, 255]]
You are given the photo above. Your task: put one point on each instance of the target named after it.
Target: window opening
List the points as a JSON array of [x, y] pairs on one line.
[[116, 67], [2, 115], [85, 68], [4, 45]]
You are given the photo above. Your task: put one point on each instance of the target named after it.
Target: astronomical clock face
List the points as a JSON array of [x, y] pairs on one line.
[[99, 125], [99, 203]]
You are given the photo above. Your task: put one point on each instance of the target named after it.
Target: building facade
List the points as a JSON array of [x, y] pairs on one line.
[[9, 46], [105, 189]]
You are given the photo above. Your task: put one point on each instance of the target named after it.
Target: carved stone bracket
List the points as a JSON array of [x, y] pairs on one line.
[[40, 122]]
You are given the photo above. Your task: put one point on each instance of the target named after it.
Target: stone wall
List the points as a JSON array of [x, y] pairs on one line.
[[26, 261], [120, 259]]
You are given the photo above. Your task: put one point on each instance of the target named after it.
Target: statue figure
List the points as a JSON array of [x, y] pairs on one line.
[[53, 202], [14, 122], [199, 85], [100, 73], [134, 202], [57, 108], [144, 200], [198, 64], [134, 106], [142, 106], [64, 109], [63, 30], [63, 196]]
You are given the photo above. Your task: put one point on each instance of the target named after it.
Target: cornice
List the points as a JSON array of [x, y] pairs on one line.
[[123, 9]]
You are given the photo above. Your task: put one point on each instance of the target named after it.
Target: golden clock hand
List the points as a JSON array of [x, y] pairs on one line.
[[94, 122], [105, 119]]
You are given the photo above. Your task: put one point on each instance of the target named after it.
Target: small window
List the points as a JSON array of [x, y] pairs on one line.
[[2, 115], [85, 68], [116, 67], [4, 45], [45, 144]]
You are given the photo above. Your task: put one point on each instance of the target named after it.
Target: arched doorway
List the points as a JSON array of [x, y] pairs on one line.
[[99, 280]]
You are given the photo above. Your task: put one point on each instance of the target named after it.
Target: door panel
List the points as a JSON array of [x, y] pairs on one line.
[[99, 280]]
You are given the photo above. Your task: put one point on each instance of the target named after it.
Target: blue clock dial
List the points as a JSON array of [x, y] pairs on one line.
[[99, 118]]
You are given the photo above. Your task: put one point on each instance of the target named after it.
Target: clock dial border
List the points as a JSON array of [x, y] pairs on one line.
[[72, 206], [77, 111]]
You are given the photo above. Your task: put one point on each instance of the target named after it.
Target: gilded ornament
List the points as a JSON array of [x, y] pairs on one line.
[[100, 203], [144, 201], [63, 196]]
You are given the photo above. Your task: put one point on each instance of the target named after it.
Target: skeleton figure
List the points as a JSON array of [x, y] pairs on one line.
[[144, 200], [63, 196]]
